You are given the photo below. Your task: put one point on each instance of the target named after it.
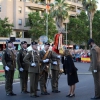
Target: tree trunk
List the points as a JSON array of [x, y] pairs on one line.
[[90, 26], [59, 24]]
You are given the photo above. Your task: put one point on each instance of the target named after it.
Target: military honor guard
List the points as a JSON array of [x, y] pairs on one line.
[[55, 69], [32, 59], [23, 67], [44, 68], [9, 65], [95, 67]]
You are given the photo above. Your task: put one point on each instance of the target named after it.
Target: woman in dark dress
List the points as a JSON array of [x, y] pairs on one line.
[[71, 71]]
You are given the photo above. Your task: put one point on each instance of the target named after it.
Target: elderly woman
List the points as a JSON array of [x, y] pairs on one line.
[[71, 71]]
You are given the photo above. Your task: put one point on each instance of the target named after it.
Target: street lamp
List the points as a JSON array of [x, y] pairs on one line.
[[47, 9], [66, 33]]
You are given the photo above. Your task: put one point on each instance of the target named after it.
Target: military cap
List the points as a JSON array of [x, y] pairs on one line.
[[46, 43], [23, 42], [34, 43], [9, 41], [90, 40]]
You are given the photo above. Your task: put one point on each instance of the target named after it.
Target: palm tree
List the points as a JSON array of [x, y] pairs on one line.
[[59, 11], [90, 6]]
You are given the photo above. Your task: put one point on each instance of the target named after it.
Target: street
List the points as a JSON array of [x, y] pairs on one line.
[[84, 89]]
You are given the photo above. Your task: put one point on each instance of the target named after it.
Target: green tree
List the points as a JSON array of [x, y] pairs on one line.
[[90, 6], [59, 11], [51, 26], [96, 27], [5, 28], [78, 29], [37, 25]]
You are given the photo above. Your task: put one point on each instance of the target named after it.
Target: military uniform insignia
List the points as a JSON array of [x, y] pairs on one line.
[[3, 52]]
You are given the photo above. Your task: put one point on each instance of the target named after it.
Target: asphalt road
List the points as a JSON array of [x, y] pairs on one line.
[[84, 89]]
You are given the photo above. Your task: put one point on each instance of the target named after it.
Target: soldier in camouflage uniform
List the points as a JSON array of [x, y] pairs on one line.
[[33, 60], [23, 67], [44, 68], [95, 67], [55, 68], [9, 65]]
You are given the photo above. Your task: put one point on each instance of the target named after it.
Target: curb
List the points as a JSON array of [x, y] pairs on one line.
[[84, 73], [14, 81]]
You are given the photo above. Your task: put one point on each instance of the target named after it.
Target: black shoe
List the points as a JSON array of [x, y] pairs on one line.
[[11, 94], [56, 91], [68, 95], [38, 90], [95, 98], [72, 95], [37, 95], [34, 96], [45, 93], [26, 92]]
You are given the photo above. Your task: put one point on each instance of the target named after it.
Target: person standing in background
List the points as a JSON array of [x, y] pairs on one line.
[[23, 67], [95, 66]]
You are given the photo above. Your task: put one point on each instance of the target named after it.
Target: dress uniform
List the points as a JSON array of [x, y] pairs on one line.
[[55, 69], [32, 59], [44, 68], [95, 67], [9, 65], [23, 67]]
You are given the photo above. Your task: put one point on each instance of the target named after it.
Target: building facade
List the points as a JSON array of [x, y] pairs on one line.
[[17, 11]]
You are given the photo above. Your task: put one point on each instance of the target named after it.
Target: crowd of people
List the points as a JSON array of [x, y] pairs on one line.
[[41, 64], [38, 65]]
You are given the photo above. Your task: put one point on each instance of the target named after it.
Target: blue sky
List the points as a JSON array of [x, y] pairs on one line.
[[98, 4]]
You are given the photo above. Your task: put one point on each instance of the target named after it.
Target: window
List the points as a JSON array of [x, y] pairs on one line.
[[0, 8], [27, 0], [26, 21], [20, 21], [20, 9]]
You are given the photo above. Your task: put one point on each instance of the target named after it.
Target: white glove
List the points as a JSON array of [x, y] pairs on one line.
[[55, 62], [45, 61], [21, 69], [33, 64], [94, 71], [59, 56], [15, 69], [7, 68]]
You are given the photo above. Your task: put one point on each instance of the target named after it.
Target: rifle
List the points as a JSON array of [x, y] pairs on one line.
[[48, 53]]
